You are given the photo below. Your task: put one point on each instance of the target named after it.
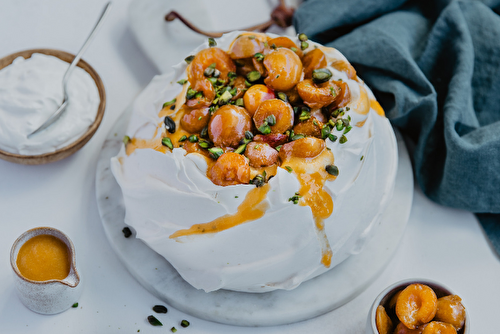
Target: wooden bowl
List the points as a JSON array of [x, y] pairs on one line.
[[78, 143]]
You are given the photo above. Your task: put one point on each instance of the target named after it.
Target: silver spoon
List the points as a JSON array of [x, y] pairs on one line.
[[55, 116]]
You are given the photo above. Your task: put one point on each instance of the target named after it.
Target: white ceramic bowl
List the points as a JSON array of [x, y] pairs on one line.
[[51, 296], [385, 296]]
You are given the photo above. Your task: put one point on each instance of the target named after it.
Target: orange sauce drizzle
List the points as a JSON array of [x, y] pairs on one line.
[[377, 107], [363, 104], [314, 196], [155, 142], [44, 257], [270, 171], [361, 123], [253, 207]]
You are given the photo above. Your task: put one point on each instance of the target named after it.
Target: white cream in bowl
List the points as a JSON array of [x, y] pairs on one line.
[[30, 92]]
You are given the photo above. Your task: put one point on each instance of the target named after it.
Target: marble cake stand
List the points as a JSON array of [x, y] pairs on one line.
[[315, 297]]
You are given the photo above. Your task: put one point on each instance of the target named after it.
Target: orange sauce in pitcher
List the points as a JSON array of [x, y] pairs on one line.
[[44, 257]]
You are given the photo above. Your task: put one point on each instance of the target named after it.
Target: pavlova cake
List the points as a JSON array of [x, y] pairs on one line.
[[260, 162]]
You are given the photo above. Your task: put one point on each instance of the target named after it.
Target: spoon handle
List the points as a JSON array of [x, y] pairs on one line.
[[55, 116], [85, 45]]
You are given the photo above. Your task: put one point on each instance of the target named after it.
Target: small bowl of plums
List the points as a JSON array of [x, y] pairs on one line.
[[418, 306]]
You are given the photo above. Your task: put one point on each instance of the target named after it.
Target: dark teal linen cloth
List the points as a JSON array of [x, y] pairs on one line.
[[435, 68]]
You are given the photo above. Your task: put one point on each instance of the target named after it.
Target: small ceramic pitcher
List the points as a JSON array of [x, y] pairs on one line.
[[51, 296]]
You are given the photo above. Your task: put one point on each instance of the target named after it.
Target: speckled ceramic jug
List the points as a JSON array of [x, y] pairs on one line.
[[51, 296]]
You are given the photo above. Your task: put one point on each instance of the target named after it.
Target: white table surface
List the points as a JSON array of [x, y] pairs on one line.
[[443, 244]]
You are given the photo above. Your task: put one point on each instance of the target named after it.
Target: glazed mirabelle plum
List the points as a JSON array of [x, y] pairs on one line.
[[451, 310], [207, 57], [318, 95], [344, 97], [402, 329], [382, 320], [228, 125], [282, 112], [312, 127], [308, 147], [273, 139], [416, 305], [285, 42], [246, 46], [195, 120], [437, 327], [204, 86], [313, 60], [261, 154], [284, 69], [230, 169], [254, 96]]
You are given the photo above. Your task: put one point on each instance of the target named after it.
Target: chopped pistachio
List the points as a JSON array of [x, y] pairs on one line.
[[259, 56], [160, 309], [241, 149], [264, 128], [347, 129], [343, 139], [332, 170], [339, 125], [166, 104], [153, 321], [212, 42], [183, 138], [182, 81], [248, 135], [191, 93], [321, 75], [278, 148], [193, 138], [167, 142], [299, 136], [173, 330], [362, 157], [189, 59], [258, 181], [304, 116], [225, 97], [282, 96], [303, 37], [294, 49], [271, 120], [126, 139], [239, 102], [204, 132], [325, 131], [204, 143], [332, 137], [75, 305], [304, 45], [289, 169], [215, 152], [253, 76]]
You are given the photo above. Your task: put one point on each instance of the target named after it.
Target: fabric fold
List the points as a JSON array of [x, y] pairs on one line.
[[435, 68]]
